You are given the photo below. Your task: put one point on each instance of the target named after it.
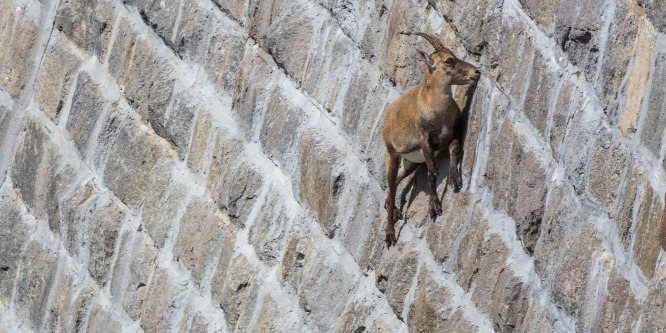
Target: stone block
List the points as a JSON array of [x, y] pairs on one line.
[[518, 182], [88, 104], [625, 217], [131, 159], [34, 281], [324, 267], [291, 33], [164, 301], [647, 244], [399, 60], [363, 235], [654, 310], [18, 35], [75, 215], [618, 53], [578, 30], [233, 181], [203, 237], [607, 168], [321, 178], [573, 282], [231, 286], [233, 8], [177, 125], [281, 116], [88, 24], [638, 77], [395, 275], [252, 95], [509, 305], [190, 39], [432, 305], [441, 234], [224, 52], [653, 128], [104, 232], [542, 12], [620, 309], [162, 202], [201, 140], [68, 306], [56, 76], [267, 233], [566, 100], [509, 55], [161, 16], [14, 235], [101, 318], [540, 88], [132, 271], [656, 12], [29, 150], [578, 145]]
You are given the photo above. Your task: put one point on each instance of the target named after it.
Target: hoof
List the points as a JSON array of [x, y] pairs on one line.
[[456, 180], [390, 239], [435, 208]]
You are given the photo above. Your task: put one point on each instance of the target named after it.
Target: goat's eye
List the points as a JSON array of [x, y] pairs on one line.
[[449, 61]]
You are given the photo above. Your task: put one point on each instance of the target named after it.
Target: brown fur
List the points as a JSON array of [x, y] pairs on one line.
[[425, 118]]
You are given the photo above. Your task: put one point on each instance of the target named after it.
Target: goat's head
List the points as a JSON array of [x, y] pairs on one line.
[[443, 67]]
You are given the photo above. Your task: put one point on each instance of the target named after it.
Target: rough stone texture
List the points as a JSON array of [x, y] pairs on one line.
[[522, 198], [218, 166], [648, 242]]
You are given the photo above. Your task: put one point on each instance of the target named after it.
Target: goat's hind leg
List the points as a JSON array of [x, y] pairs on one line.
[[429, 154], [392, 164]]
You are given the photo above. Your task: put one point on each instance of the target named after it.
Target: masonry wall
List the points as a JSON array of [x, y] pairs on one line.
[[217, 165]]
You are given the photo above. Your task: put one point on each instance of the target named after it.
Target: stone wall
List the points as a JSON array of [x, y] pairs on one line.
[[217, 165]]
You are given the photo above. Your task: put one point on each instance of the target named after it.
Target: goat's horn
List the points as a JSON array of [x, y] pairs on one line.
[[432, 39]]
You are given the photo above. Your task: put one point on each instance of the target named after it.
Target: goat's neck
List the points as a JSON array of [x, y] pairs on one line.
[[440, 96]]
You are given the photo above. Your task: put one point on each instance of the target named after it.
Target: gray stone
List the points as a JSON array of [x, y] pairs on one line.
[[231, 287], [647, 244], [103, 237], [363, 236], [654, 310], [132, 270], [432, 306], [441, 234], [607, 168], [620, 309], [56, 76], [518, 183], [88, 104], [162, 202], [625, 217], [88, 24], [321, 178], [201, 139], [18, 35], [656, 11], [234, 8], [34, 281], [191, 37], [395, 275], [268, 232], [281, 117], [100, 318], [202, 236], [561, 113], [224, 52], [542, 12], [131, 159], [161, 16], [653, 130], [14, 234], [539, 91], [164, 301], [578, 28]]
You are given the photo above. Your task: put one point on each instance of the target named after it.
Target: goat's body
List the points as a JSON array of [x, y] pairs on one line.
[[422, 122], [406, 121]]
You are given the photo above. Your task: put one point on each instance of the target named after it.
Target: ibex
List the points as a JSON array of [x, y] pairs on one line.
[[422, 122]]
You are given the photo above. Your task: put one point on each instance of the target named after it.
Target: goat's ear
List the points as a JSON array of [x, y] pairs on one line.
[[426, 59]]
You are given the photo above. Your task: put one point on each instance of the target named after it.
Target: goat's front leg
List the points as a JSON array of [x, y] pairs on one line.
[[392, 163], [429, 154], [454, 175]]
